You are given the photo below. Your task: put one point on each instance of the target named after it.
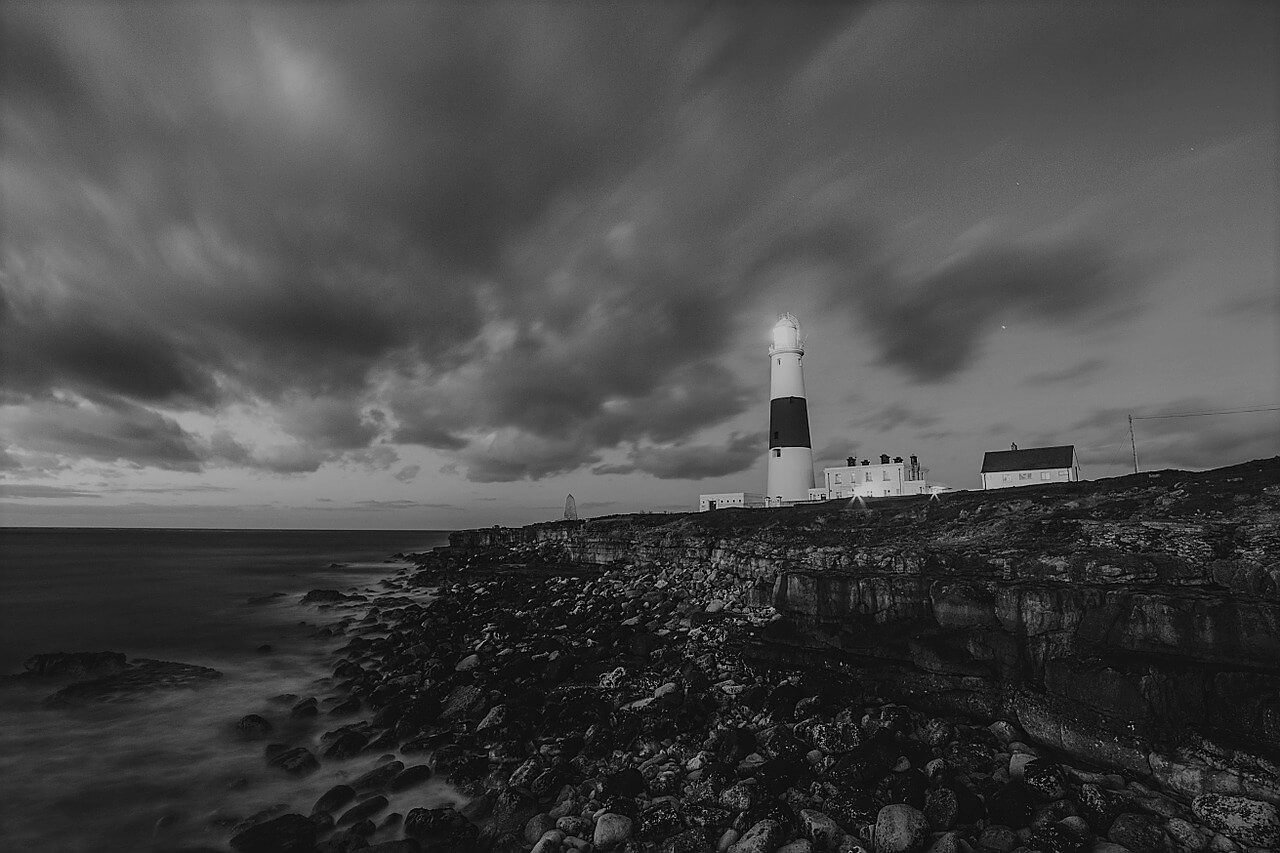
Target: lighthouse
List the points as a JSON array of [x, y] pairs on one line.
[[790, 450]]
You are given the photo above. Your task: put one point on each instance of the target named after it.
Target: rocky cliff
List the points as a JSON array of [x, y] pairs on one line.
[[1132, 623]]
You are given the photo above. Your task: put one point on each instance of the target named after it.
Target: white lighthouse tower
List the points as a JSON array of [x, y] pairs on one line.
[[790, 449]]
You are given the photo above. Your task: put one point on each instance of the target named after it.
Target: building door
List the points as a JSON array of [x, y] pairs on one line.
[[711, 505]]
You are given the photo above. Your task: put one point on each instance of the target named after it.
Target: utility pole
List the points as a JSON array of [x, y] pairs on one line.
[[1134, 444]]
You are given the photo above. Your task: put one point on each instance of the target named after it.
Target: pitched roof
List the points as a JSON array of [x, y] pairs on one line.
[[1031, 459]]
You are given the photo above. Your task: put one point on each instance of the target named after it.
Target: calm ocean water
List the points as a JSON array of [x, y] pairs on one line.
[[160, 772]]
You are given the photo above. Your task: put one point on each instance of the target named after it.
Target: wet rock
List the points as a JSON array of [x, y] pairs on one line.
[[347, 744], [949, 842], [512, 810], [658, 821], [411, 777], [689, 841], [941, 808], [296, 761], [821, 830], [345, 708], [574, 825], [1043, 779], [1012, 805], [1247, 821], [763, 837], [442, 827], [323, 596], [1099, 807], [1187, 835], [1139, 832], [139, 678], [363, 810], [538, 826], [253, 726], [740, 797], [998, 839], [334, 798], [290, 833], [379, 778], [900, 828], [782, 772], [800, 845], [1055, 839], [73, 664], [347, 840], [628, 782], [611, 830]]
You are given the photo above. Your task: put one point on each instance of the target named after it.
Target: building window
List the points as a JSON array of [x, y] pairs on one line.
[[779, 361], [884, 475], [1044, 475], [886, 493], [777, 452], [1024, 475], [1006, 478], [868, 476]]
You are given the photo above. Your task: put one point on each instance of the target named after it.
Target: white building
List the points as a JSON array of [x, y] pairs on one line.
[[1003, 469], [790, 467], [889, 478], [724, 500]]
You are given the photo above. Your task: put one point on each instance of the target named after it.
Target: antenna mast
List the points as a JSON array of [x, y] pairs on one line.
[[1133, 444]]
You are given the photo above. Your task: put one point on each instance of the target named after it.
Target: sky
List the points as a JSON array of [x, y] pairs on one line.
[[438, 265]]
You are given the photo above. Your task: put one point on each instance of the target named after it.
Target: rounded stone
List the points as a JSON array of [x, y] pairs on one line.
[[611, 829], [900, 828]]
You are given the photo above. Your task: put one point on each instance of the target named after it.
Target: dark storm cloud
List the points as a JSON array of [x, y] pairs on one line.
[[524, 235], [834, 453], [932, 325], [1067, 375], [107, 430], [691, 461]]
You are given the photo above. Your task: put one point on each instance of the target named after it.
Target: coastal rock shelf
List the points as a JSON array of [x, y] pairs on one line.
[[1088, 668], [1132, 623]]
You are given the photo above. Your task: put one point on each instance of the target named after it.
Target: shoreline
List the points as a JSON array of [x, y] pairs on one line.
[[587, 708]]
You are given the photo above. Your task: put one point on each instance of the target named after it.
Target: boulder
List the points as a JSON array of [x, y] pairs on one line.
[[611, 830], [763, 837], [900, 828], [1247, 821], [290, 833], [821, 830]]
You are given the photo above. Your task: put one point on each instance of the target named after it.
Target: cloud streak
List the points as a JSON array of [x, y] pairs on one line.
[[526, 238]]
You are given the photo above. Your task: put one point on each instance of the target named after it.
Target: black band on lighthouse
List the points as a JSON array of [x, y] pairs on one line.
[[788, 422]]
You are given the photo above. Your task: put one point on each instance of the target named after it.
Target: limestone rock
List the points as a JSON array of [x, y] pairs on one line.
[[900, 828], [1250, 822]]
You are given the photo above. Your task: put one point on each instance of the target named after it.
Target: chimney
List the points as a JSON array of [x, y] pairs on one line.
[[884, 458], [866, 461], [1013, 446], [850, 461], [897, 459]]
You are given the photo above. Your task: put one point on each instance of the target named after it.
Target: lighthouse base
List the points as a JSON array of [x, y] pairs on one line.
[[790, 473]]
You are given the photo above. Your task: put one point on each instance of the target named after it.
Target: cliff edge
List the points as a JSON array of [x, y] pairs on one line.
[[1131, 623]]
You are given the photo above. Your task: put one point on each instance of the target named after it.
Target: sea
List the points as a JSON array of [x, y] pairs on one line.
[[167, 771]]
